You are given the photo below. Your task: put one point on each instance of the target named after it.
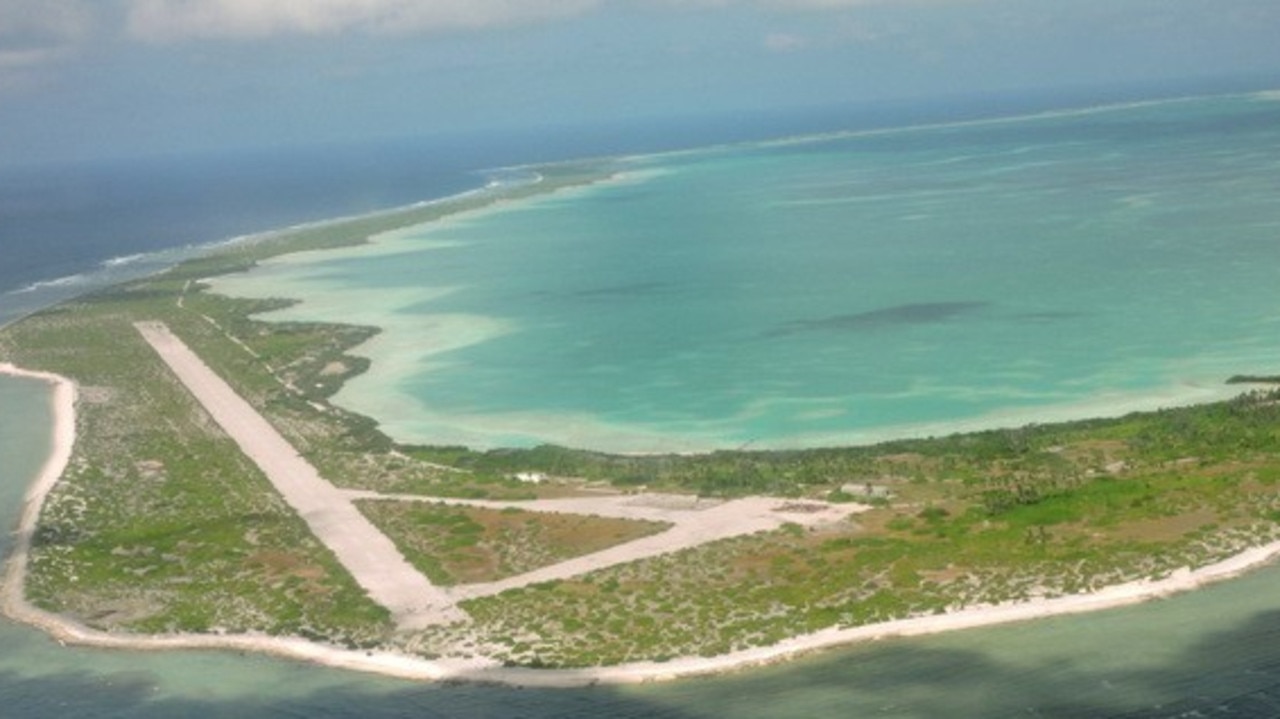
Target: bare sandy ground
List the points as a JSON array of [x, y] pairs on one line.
[[693, 521], [481, 670], [365, 551]]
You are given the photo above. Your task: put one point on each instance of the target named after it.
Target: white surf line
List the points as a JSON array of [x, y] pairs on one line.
[[694, 523], [372, 559]]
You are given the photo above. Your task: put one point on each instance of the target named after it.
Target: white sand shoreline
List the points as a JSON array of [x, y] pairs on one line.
[[394, 664], [63, 399]]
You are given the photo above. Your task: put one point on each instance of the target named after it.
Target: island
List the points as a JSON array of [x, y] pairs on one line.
[[204, 492]]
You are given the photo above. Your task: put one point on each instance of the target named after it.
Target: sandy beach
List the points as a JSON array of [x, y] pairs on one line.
[[64, 437], [404, 666]]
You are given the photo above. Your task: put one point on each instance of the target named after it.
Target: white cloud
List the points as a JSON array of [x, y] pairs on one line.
[[164, 20], [47, 18], [828, 4], [784, 42], [35, 34], [23, 59], [807, 4], [32, 24], [175, 19]]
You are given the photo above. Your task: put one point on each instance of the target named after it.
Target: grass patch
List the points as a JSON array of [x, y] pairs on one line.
[[468, 545]]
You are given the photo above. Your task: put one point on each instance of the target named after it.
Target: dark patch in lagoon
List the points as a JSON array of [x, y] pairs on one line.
[[636, 289], [922, 313], [1048, 316]]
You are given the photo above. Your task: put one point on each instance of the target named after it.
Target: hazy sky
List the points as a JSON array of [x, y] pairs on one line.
[[85, 78]]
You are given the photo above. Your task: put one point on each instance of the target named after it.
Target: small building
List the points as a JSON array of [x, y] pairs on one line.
[[866, 490], [531, 477]]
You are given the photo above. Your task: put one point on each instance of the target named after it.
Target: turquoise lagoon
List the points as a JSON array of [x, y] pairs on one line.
[[829, 290]]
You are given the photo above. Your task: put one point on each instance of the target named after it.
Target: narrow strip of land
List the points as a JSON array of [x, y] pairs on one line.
[[488, 670], [62, 441], [367, 553]]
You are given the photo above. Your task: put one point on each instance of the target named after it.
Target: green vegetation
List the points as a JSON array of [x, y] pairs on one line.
[[469, 545], [161, 525], [973, 524], [1253, 379]]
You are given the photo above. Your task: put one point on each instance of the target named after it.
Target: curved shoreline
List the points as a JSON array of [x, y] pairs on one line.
[[63, 399], [403, 666]]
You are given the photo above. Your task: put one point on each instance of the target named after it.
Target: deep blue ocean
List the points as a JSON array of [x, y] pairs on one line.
[[66, 226], [66, 229]]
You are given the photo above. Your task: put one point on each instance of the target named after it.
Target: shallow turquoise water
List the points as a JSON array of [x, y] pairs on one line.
[[26, 420], [833, 290]]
